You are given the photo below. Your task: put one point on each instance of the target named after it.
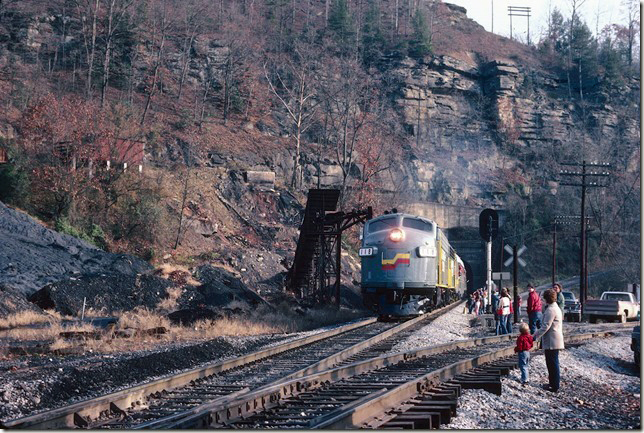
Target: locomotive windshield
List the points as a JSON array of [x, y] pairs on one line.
[[383, 224], [417, 224]]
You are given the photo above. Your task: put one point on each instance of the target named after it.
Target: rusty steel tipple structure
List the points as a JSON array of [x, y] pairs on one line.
[[316, 269]]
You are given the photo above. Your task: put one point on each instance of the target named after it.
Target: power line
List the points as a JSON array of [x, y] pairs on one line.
[[519, 11], [582, 177]]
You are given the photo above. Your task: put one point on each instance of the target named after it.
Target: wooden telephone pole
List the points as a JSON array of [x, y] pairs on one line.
[[584, 179]]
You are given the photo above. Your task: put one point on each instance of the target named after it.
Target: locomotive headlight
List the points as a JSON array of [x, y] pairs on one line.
[[368, 251], [427, 251], [396, 235]]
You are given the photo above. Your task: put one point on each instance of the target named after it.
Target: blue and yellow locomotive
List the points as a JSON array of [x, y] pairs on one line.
[[408, 266]]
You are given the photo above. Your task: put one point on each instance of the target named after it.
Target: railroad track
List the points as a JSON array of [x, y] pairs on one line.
[[360, 393], [166, 401]]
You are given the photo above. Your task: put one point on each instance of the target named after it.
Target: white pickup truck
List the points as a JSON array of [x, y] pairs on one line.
[[619, 306]]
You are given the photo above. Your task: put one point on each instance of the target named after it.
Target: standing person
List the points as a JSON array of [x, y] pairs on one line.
[[484, 301], [472, 301], [534, 309], [561, 301], [524, 344], [495, 306], [504, 310], [477, 303], [553, 342]]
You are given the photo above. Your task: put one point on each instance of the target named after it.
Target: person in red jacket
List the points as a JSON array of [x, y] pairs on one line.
[[524, 344], [534, 309]]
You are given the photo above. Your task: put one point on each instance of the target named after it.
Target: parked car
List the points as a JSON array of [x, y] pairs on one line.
[[636, 344], [572, 307], [619, 306]]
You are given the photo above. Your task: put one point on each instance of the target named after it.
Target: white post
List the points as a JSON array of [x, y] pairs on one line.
[[124, 166], [488, 250], [140, 168], [83, 313], [108, 165]]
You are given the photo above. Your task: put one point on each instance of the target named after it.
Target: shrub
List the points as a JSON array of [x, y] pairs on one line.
[[14, 182], [95, 235]]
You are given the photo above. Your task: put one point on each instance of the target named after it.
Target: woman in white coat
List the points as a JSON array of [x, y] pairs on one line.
[[552, 342], [504, 310]]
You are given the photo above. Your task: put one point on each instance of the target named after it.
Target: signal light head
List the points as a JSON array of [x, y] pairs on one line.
[[396, 235]]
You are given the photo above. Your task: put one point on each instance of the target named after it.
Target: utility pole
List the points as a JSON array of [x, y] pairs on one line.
[[584, 179], [492, 31], [565, 220], [515, 273], [554, 253], [519, 11]]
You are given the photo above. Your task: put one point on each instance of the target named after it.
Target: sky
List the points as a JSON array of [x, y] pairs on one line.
[[609, 11]]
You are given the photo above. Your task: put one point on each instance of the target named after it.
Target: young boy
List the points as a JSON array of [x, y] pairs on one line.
[[524, 344]]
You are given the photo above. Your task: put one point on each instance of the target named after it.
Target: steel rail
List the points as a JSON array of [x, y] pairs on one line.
[[190, 415], [73, 415], [367, 411], [333, 360], [228, 411]]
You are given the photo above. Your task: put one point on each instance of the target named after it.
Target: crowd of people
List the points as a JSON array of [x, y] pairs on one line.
[[545, 322]]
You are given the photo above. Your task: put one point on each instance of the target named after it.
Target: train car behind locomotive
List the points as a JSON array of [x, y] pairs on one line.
[[408, 266]]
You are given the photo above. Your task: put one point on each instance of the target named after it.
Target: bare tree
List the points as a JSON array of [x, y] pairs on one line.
[[115, 13], [195, 18], [574, 5], [347, 93], [632, 15], [293, 84], [187, 157], [164, 27], [88, 8]]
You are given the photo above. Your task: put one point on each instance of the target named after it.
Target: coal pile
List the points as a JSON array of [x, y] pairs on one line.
[[32, 255], [109, 293], [13, 301], [221, 295], [220, 288]]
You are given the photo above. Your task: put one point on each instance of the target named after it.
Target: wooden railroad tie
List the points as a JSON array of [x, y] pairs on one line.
[[438, 405]]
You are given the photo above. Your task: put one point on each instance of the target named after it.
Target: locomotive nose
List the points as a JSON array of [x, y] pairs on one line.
[[396, 235]]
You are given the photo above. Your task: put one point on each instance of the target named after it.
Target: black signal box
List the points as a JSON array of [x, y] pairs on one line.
[[489, 224]]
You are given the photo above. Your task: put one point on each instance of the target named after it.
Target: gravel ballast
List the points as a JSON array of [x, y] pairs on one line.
[[451, 326], [599, 390], [33, 384]]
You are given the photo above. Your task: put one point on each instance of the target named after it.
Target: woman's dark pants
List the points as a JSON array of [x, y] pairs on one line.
[[552, 362]]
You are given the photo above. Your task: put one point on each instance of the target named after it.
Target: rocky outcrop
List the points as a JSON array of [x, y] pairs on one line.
[[467, 117]]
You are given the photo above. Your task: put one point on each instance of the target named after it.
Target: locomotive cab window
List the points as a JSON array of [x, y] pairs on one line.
[[417, 224], [383, 224]]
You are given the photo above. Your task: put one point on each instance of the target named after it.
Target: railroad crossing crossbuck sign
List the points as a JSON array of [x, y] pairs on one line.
[[520, 251]]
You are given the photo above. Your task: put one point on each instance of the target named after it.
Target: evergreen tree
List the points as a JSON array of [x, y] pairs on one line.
[[557, 31], [610, 59], [373, 41], [420, 43], [584, 57], [340, 24]]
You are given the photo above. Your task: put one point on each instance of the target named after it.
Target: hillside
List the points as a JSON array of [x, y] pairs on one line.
[[401, 107]]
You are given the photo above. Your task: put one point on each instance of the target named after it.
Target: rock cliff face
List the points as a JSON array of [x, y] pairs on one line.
[[473, 121]]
